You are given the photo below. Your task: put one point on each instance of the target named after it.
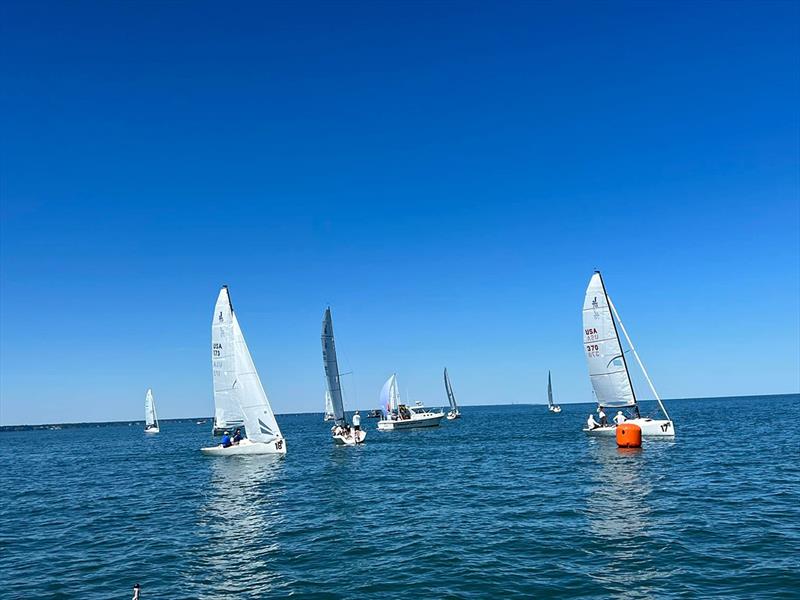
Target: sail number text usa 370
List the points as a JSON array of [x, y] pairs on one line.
[[593, 349], [216, 349]]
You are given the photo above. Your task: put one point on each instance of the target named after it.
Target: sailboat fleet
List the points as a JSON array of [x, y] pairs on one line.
[[240, 401]]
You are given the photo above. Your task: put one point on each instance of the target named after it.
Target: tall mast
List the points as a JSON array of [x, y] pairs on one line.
[[622, 352], [639, 360]]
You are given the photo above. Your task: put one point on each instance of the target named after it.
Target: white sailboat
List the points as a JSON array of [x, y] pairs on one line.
[[237, 381], [608, 369], [341, 431], [402, 416], [328, 416], [150, 417], [453, 413], [553, 408]]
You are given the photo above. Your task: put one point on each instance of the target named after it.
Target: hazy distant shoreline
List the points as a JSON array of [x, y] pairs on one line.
[[44, 426]]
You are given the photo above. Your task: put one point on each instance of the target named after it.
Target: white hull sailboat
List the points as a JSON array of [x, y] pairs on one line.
[[453, 413], [342, 432], [401, 416], [608, 368], [150, 417], [237, 381], [553, 408]]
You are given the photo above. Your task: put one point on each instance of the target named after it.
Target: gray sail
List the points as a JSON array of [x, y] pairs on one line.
[[451, 397], [332, 368], [549, 390]]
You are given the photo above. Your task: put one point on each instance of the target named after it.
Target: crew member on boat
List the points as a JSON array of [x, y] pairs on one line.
[[226, 440], [603, 419], [619, 418], [237, 437], [591, 423], [356, 421]]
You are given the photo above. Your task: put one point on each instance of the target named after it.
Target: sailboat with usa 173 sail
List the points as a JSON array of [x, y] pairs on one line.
[[343, 433], [150, 417], [238, 380], [608, 367]]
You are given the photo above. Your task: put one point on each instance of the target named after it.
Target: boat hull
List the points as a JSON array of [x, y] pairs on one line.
[[650, 428], [342, 440], [152, 430], [453, 415], [247, 448], [429, 421]]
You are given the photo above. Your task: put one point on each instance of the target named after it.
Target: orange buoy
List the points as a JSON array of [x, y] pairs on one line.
[[629, 435]]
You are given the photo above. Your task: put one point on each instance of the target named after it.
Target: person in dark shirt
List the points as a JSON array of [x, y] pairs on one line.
[[237, 437]]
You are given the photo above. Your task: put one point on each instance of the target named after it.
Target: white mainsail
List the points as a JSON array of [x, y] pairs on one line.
[[227, 412], [390, 394], [332, 368], [608, 370], [451, 397], [150, 418]]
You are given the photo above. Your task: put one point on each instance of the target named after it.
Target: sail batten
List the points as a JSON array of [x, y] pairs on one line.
[[331, 364], [608, 370]]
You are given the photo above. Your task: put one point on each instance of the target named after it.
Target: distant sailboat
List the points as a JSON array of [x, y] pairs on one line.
[[554, 408], [453, 413], [150, 418], [608, 369], [239, 383], [342, 432], [329, 416]]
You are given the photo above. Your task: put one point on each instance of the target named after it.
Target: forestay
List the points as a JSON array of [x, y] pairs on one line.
[[608, 370], [226, 408], [332, 368], [389, 394], [150, 419]]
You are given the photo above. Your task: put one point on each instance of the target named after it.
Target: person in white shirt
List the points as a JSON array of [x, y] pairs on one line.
[[602, 415], [619, 419], [591, 423], [356, 421]]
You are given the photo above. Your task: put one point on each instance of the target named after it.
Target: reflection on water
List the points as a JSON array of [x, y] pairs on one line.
[[240, 521]]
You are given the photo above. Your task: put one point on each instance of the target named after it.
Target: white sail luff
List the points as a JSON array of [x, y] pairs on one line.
[[606, 362], [638, 360]]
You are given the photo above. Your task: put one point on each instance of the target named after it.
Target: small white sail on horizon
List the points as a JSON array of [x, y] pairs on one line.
[[328, 416], [554, 408], [243, 385], [608, 367], [453, 413], [150, 417], [390, 395]]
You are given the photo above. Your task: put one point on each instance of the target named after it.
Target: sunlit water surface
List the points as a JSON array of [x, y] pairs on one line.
[[509, 501]]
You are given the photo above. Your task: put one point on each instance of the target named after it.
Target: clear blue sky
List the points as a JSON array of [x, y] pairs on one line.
[[446, 176]]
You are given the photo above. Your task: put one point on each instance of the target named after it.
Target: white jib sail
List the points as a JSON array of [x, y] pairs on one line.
[[390, 394], [332, 368], [150, 419], [328, 404], [608, 370], [226, 408], [259, 420]]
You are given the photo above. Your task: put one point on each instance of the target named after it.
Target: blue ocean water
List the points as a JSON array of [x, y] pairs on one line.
[[509, 501]]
